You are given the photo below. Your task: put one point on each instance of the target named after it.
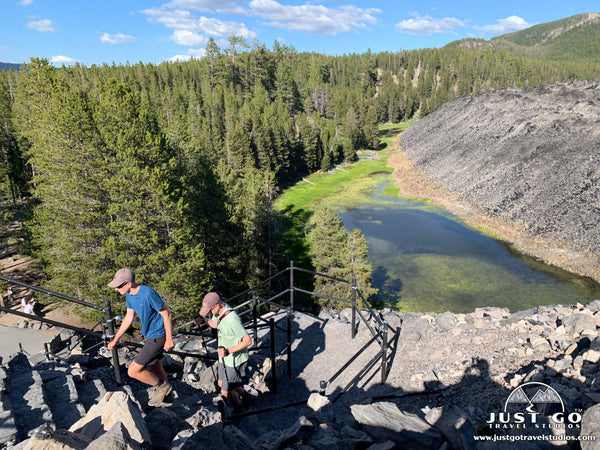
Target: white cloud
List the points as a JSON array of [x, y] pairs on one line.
[[508, 25], [314, 18], [197, 52], [184, 20], [118, 38], [42, 25], [184, 37], [62, 60], [221, 6], [177, 20], [25, 2], [426, 25], [192, 53], [180, 58]]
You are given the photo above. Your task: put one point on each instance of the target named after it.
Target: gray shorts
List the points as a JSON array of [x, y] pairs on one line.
[[231, 377], [151, 352]]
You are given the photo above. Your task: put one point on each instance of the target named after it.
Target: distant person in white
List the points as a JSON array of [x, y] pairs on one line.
[[28, 308]]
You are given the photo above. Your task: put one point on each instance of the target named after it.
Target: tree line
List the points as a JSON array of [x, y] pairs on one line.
[[172, 169]]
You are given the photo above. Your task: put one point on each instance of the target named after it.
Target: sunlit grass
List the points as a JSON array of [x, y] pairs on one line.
[[346, 180]]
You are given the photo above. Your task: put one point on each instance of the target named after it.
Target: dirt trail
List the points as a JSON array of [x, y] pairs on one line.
[[21, 267]]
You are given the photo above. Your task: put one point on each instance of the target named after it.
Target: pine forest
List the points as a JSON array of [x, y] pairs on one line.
[[172, 169]]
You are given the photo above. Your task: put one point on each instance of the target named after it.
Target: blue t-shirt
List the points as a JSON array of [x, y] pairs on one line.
[[146, 304]]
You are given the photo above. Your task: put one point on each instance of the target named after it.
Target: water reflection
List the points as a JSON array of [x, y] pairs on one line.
[[425, 259]]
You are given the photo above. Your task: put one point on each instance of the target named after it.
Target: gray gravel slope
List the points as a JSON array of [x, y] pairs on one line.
[[531, 156]]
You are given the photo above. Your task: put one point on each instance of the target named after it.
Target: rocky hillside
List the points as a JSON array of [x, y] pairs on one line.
[[530, 156], [435, 396]]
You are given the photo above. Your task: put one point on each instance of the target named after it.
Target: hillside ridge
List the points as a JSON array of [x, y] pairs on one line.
[[528, 157], [572, 39], [549, 30]]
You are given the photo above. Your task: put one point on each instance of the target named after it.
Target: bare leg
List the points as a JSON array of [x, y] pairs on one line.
[[142, 374], [158, 370], [223, 393]]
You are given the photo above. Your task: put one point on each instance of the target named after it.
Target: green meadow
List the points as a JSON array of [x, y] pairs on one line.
[[347, 183]]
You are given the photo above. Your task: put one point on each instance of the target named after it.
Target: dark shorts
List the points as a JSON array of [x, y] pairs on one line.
[[231, 377], [151, 352]]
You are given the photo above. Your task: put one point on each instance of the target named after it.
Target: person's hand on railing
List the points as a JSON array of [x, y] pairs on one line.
[[222, 352], [112, 344]]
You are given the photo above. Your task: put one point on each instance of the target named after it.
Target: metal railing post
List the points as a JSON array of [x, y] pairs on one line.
[[353, 308], [289, 341], [111, 334], [384, 343], [273, 361], [292, 284], [49, 356], [254, 317]]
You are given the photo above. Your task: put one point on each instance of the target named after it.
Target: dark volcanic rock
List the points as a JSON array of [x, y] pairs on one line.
[[530, 156]]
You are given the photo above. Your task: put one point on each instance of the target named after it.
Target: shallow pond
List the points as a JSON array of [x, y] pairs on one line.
[[425, 259]]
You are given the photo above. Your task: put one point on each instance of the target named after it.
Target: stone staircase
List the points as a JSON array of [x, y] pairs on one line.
[[35, 392], [59, 393]]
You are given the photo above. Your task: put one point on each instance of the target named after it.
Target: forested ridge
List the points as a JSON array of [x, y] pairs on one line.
[[575, 38], [172, 169]]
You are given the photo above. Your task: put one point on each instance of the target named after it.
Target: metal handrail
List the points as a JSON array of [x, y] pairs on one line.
[[49, 292], [247, 291], [51, 322], [255, 301]]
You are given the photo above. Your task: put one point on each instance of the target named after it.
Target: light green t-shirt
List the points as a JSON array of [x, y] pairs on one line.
[[230, 332]]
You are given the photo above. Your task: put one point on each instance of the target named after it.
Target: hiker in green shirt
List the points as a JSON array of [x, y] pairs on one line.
[[233, 342]]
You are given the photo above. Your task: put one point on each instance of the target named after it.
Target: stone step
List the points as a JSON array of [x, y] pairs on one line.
[[8, 429], [62, 398], [28, 405], [90, 392], [47, 393]]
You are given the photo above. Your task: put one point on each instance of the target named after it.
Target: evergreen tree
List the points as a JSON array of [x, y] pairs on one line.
[[327, 238], [339, 254], [67, 157], [13, 173], [357, 265]]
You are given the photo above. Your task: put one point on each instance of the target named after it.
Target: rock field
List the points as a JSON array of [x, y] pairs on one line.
[[528, 156]]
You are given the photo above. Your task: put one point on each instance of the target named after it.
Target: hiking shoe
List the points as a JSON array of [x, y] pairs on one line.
[[158, 393], [167, 401]]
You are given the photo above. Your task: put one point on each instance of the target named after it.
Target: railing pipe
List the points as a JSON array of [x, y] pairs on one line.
[[292, 284], [369, 308], [49, 321], [324, 275], [270, 300], [366, 322], [273, 356], [49, 292], [111, 334], [258, 285], [328, 297], [289, 342], [384, 344], [353, 308], [254, 316]]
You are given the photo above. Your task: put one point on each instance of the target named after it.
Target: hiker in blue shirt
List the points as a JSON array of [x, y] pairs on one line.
[[156, 329]]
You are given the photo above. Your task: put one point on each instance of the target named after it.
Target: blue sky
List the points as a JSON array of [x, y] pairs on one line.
[[107, 31]]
